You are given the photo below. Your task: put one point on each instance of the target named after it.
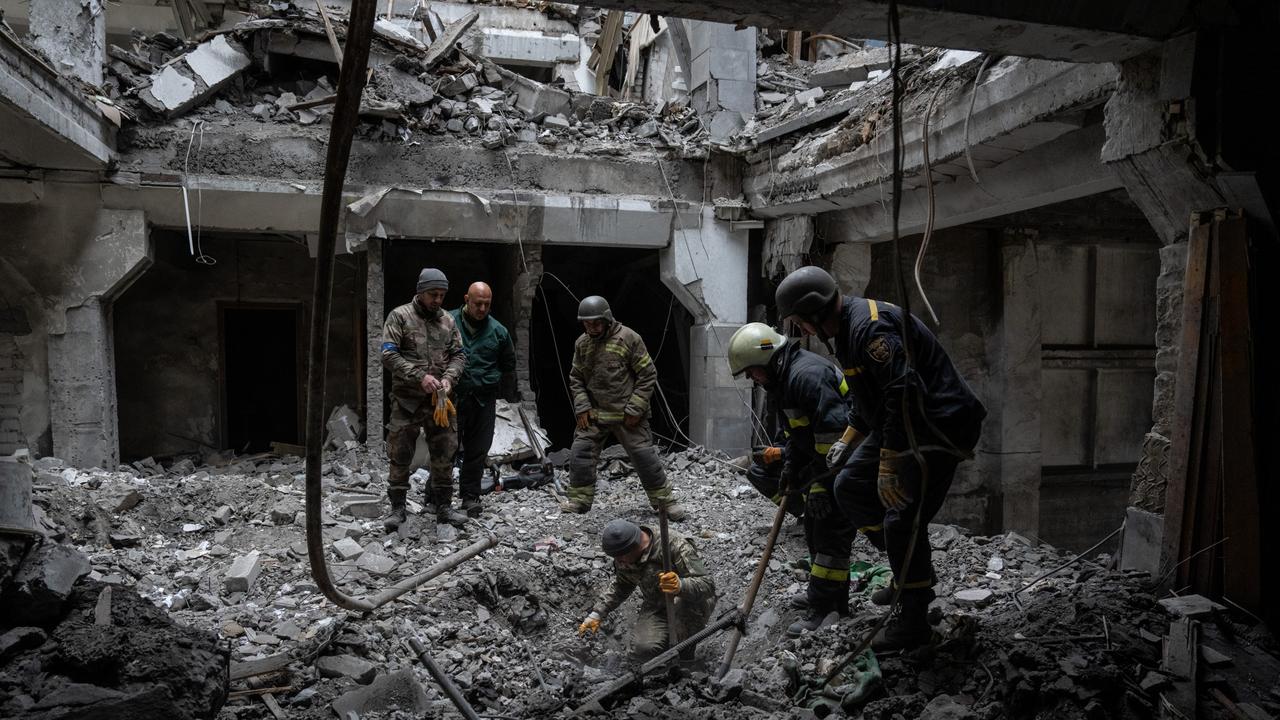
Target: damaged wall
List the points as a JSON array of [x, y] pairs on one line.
[[168, 350]]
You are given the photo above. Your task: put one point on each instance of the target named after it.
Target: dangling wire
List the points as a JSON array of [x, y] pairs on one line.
[[193, 242]]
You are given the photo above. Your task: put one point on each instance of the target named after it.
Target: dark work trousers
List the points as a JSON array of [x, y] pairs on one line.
[[830, 540], [476, 416], [855, 489]]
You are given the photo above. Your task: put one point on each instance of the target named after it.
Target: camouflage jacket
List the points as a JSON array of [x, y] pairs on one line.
[[416, 343], [612, 374], [695, 584]]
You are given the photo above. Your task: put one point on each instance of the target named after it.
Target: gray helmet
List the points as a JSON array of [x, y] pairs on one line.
[[806, 293], [619, 537], [594, 307]]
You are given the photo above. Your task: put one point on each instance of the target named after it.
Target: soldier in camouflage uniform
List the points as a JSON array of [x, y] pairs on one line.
[[612, 379], [423, 350], [638, 563]]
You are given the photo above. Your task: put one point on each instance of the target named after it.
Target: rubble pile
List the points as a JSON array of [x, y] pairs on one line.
[[282, 68], [220, 549]]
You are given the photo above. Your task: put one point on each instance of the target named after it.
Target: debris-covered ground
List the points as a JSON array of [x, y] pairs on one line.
[[222, 551]]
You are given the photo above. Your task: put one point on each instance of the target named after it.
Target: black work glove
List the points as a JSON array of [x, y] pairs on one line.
[[819, 504]]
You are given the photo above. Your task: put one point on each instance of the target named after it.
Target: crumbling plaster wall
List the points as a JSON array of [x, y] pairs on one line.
[[67, 260], [167, 335], [73, 33]]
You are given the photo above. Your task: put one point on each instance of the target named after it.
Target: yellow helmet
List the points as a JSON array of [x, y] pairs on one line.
[[752, 345]]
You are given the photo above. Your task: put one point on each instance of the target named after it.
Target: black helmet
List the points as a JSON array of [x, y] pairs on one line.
[[806, 293], [594, 307], [619, 537]]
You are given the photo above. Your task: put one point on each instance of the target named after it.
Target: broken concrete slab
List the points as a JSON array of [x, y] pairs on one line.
[[375, 564], [19, 639], [842, 70], [974, 597], [196, 77], [244, 570], [348, 549], [42, 583], [443, 45], [348, 666], [393, 691], [1190, 606]]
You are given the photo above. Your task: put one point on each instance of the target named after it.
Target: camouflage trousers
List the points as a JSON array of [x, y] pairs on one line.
[[584, 454], [649, 637], [442, 443]]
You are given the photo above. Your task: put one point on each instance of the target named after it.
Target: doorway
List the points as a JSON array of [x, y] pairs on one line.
[[260, 381]]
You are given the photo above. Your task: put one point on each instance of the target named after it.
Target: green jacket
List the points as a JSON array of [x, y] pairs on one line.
[[612, 374], [416, 343], [695, 584], [490, 353]]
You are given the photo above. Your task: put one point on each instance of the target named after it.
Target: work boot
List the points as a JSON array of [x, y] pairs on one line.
[[675, 513], [397, 516], [471, 506], [812, 621], [907, 629], [573, 506], [443, 502], [884, 596]]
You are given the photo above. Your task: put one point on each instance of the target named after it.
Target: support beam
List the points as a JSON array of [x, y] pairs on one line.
[[1020, 398], [1083, 32], [375, 314]]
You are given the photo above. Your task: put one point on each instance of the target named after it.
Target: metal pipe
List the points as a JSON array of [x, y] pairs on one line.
[[443, 680], [750, 599], [666, 568], [351, 79], [434, 571], [593, 701]]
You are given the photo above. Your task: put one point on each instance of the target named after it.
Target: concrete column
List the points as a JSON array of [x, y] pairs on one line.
[[528, 274], [375, 315], [722, 79], [1019, 355], [82, 388], [73, 33], [851, 267], [705, 266]]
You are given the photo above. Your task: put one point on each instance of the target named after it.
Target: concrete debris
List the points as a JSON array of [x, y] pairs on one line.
[[242, 573], [399, 690], [347, 666], [42, 584], [842, 70], [197, 77]]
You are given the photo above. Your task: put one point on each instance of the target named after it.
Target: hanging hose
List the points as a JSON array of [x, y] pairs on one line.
[[351, 81]]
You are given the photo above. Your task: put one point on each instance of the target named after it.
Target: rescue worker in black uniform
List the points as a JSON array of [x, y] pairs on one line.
[[881, 483], [810, 395]]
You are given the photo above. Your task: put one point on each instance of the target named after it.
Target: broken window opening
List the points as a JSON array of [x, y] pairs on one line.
[[260, 375]]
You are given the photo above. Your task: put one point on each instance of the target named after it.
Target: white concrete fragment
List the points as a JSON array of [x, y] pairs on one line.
[[172, 89], [217, 61], [375, 564], [528, 47], [348, 549], [974, 597], [244, 570]]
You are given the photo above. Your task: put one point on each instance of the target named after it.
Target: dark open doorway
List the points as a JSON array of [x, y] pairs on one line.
[[260, 376]]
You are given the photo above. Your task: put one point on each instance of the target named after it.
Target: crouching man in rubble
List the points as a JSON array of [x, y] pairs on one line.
[[811, 397], [638, 562], [423, 350], [612, 380]]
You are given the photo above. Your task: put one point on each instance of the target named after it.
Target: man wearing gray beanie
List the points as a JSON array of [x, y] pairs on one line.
[[638, 562], [423, 350]]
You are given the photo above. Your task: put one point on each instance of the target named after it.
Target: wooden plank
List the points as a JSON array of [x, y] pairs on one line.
[[1179, 657], [328, 30], [606, 49], [1184, 391], [1242, 566], [261, 666], [444, 44]]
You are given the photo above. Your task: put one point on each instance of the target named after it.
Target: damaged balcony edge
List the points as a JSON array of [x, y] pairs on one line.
[[485, 215], [1037, 90]]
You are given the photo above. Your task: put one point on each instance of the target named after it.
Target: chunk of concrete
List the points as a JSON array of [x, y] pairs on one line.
[[533, 98], [348, 666], [42, 583], [282, 512], [394, 691], [348, 549], [217, 61], [556, 122], [974, 597], [461, 85], [19, 639], [194, 78], [244, 570], [364, 506], [375, 564], [810, 96], [841, 70]]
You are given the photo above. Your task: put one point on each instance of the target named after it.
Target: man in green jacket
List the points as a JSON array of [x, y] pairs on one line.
[[491, 358], [638, 563], [422, 349], [612, 380]]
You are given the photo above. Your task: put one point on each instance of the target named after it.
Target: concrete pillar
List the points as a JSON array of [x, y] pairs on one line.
[[851, 267], [375, 315], [705, 267], [528, 274], [722, 79], [82, 388], [1019, 355], [73, 33]]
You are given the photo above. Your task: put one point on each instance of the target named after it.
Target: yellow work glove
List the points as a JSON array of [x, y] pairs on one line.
[[592, 624], [444, 409], [893, 494], [584, 420], [669, 583]]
